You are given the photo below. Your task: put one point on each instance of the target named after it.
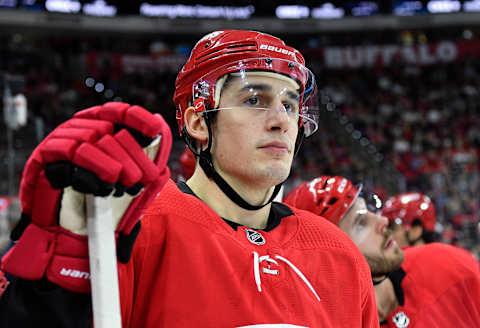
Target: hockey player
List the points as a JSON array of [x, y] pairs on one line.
[[214, 251], [338, 200], [437, 285], [412, 218]]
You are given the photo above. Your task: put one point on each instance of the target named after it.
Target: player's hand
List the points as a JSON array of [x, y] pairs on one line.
[[115, 149]]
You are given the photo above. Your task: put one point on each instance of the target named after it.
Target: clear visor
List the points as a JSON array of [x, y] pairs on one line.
[[262, 84]]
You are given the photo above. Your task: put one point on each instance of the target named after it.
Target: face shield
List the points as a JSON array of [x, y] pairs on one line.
[[261, 84]]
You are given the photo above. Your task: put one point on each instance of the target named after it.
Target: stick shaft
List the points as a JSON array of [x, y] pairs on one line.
[[103, 263]]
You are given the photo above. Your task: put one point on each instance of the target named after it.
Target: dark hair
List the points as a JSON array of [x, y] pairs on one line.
[[427, 235]]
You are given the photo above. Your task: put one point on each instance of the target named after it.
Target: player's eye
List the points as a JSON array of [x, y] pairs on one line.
[[290, 107], [362, 221], [253, 101]]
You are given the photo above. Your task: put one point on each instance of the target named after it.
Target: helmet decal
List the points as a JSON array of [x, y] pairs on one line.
[[277, 49]]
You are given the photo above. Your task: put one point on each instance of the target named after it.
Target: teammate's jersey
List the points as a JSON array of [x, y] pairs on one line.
[[441, 288], [189, 268]]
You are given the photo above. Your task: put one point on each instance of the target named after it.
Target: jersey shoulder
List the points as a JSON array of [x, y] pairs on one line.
[[171, 201], [438, 266], [173, 207], [440, 255], [319, 234], [316, 231]]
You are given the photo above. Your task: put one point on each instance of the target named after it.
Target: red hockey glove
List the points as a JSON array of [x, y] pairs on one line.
[[115, 148]]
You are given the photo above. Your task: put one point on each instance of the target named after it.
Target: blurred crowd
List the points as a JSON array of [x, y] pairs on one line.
[[425, 122], [417, 126]]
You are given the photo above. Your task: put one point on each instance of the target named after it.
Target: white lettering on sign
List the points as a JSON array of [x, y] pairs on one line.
[[368, 56]]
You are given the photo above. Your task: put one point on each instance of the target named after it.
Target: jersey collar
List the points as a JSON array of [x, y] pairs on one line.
[[397, 277], [278, 211]]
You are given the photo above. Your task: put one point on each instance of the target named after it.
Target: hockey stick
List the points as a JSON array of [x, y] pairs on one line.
[[103, 263]]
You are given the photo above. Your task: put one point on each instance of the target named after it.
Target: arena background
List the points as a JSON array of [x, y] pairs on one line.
[[399, 82]]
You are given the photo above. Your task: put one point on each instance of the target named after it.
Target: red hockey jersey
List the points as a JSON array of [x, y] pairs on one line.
[[189, 268], [441, 289]]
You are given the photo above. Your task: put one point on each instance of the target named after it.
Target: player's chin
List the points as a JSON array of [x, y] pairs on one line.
[[395, 259], [276, 174], [281, 170]]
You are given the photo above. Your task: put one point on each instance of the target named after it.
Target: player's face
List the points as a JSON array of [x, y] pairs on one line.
[[252, 145], [370, 233], [399, 234]]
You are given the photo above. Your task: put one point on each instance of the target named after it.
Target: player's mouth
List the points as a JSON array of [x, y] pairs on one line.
[[389, 243], [276, 147]]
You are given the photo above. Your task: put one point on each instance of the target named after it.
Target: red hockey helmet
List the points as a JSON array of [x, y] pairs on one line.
[[410, 206], [230, 51], [326, 196], [187, 163]]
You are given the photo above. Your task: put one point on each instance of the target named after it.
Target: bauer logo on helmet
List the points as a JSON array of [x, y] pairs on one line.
[[277, 49]]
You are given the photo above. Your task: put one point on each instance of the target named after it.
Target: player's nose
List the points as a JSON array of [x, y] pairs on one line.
[[278, 117], [381, 223]]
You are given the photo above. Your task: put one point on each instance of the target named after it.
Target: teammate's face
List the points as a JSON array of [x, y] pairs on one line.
[[251, 145], [399, 234], [370, 233]]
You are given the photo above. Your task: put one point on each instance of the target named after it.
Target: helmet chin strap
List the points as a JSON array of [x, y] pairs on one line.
[[378, 282], [207, 166], [206, 163]]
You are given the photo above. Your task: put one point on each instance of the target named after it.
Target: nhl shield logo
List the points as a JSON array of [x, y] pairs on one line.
[[255, 237], [401, 320]]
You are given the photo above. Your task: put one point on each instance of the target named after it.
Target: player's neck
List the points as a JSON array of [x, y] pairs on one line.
[[419, 242], [209, 192], [386, 299]]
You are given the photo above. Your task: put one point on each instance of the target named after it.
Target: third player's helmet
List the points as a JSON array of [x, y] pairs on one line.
[[409, 207], [326, 196], [187, 163]]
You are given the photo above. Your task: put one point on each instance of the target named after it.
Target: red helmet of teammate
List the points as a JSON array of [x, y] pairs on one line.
[[326, 196], [187, 163], [237, 51], [410, 206]]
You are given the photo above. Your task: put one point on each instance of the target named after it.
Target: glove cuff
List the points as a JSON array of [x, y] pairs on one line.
[[54, 251], [60, 255], [29, 258]]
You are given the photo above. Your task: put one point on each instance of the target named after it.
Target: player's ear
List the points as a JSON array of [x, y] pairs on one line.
[[415, 232], [195, 125]]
